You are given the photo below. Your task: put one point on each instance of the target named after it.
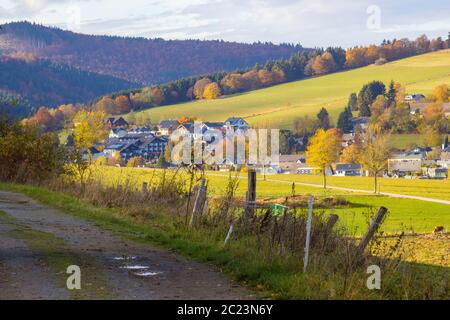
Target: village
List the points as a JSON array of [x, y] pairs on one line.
[[126, 143]]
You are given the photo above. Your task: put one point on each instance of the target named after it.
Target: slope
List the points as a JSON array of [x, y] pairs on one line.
[[279, 105]]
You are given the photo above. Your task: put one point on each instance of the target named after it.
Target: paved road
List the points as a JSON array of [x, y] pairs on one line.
[[36, 242], [392, 195]]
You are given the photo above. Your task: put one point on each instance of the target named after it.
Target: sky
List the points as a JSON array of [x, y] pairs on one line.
[[312, 23]]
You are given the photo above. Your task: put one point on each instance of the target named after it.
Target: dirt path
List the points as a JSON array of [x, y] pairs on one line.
[[36, 244], [388, 194]]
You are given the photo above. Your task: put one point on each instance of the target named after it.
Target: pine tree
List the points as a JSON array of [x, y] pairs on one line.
[[390, 95], [324, 119], [345, 121]]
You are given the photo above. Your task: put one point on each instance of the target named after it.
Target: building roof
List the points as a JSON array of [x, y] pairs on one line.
[[234, 120], [291, 157], [348, 167], [167, 124]]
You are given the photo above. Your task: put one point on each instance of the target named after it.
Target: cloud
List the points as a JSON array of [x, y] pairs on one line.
[[309, 22]]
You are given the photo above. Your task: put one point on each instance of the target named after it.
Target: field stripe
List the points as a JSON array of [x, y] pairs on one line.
[[388, 194]]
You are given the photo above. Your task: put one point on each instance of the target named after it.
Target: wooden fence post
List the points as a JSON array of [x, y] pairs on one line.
[[199, 203], [308, 233], [371, 231], [251, 195], [331, 222]]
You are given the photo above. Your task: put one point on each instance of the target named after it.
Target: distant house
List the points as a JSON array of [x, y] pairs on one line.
[[236, 124], [348, 170], [445, 154], [414, 98], [306, 169], [435, 172], [116, 122], [407, 163], [153, 147], [93, 153], [290, 163], [348, 139], [117, 133], [360, 122], [167, 127]]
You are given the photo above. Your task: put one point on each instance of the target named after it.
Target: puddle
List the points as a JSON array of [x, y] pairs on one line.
[[135, 267], [123, 258], [146, 273]]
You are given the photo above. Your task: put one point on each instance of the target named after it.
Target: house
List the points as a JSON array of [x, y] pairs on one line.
[[307, 169], [414, 98], [348, 139], [236, 124], [348, 170], [93, 153], [289, 163], [435, 172], [407, 163], [167, 127], [117, 133], [116, 122], [152, 148], [445, 154], [214, 126], [360, 122]]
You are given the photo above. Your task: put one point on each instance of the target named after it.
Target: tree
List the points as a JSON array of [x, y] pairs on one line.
[[212, 91], [376, 151], [367, 96], [378, 107], [200, 86], [323, 150], [105, 105], [441, 93], [324, 119], [345, 121], [353, 102], [391, 94], [89, 129], [122, 105], [351, 154], [323, 64]]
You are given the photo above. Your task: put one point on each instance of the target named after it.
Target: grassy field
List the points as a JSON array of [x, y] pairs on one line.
[[279, 105], [405, 214]]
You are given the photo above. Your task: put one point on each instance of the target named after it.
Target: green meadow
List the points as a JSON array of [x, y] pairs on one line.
[[279, 105], [404, 214]]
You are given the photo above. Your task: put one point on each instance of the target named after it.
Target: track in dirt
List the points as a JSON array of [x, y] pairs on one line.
[[37, 242]]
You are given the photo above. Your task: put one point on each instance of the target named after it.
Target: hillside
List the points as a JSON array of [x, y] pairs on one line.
[[147, 61], [280, 104], [46, 83]]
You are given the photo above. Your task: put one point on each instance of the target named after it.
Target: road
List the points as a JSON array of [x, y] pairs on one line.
[[38, 243], [392, 195]]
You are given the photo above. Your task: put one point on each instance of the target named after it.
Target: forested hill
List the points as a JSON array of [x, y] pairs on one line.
[[148, 61], [26, 84]]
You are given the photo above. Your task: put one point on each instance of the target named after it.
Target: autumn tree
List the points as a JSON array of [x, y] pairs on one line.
[[323, 150], [324, 64], [105, 105], [199, 87], [212, 91], [122, 105], [441, 93], [89, 129], [376, 151]]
